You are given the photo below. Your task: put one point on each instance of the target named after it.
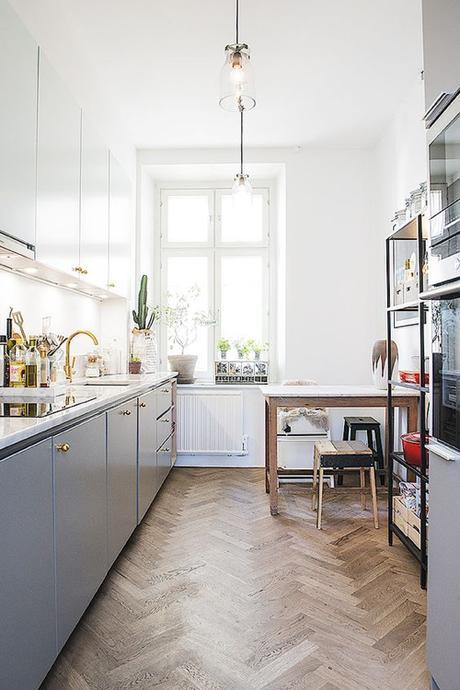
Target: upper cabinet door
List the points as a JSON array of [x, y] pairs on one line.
[[58, 183], [120, 229], [94, 223], [18, 127], [441, 64]]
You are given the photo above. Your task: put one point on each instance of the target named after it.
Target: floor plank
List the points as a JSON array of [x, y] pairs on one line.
[[212, 593]]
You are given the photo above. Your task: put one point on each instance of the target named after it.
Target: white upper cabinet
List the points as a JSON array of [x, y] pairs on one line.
[[18, 126], [58, 172], [94, 219], [441, 63], [120, 229]]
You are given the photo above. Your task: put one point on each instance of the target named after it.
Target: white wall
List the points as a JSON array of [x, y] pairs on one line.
[[399, 165], [68, 311]]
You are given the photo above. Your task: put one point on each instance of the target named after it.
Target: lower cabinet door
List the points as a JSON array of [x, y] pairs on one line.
[[148, 480], [27, 604], [121, 476], [81, 520], [164, 454]]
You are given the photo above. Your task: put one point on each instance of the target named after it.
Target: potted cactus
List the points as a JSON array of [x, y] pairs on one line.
[[144, 347]]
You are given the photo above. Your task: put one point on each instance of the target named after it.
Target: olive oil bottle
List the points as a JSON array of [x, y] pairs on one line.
[[32, 364]]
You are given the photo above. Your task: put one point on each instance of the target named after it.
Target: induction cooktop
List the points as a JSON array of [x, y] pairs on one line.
[[41, 408]]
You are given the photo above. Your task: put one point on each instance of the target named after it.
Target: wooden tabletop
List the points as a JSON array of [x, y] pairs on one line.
[[338, 391]]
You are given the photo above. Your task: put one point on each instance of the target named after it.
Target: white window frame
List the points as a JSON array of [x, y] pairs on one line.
[[214, 249]]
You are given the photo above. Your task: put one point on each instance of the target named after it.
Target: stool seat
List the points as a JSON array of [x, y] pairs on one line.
[[361, 421], [342, 455]]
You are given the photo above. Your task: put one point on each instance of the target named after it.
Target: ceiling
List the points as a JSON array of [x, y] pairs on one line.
[[326, 73]]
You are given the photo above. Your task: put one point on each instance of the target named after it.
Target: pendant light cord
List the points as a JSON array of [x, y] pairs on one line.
[[237, 21], [241, 140]]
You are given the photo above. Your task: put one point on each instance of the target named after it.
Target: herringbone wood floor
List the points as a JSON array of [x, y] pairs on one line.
[[213, 593]]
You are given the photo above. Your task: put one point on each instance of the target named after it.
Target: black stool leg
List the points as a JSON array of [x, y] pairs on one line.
[[379, 452], [346, 430]]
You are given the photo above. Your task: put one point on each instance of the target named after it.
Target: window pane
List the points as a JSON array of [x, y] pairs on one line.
[[242, 302], [188, 275], [188, 218], [245, 225]]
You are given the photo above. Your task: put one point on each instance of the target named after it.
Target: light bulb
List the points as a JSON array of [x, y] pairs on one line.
[[241, 193]]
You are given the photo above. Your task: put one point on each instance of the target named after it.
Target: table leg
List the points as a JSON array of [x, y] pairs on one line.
[[273, 455], [267, 485], [412, 415]]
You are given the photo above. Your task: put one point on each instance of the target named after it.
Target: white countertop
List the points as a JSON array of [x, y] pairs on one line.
[[15, 429], [340, 391]]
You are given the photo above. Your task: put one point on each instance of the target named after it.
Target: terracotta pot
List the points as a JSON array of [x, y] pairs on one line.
[[185, 367]]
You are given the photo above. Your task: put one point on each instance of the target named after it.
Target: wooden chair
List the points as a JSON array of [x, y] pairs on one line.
[[339, 456]]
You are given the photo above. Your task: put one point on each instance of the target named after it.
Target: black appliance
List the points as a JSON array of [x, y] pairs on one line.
[[39, 407], [446, 371]]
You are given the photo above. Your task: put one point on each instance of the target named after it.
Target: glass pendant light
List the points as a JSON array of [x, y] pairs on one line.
[[236, 80], [241, 189]]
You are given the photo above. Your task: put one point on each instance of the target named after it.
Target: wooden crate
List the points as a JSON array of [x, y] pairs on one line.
[[407, 521]]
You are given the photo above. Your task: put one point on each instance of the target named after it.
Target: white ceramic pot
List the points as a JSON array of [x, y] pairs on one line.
[[185, 367], [380, 363]]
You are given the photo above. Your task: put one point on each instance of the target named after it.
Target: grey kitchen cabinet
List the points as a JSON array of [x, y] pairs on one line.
[[80, 519], [148, 480], [58, 172], [121, 476], [94, 218], [443, 572], [27, 582], [18, 126], [441, 65], [164, 455], [120, 229]]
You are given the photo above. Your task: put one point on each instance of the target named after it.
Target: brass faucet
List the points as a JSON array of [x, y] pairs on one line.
[[68, 367]]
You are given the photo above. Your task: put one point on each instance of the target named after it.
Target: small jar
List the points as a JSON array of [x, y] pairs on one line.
[[92, 370]]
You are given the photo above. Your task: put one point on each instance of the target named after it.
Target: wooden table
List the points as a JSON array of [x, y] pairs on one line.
[[322, 396]]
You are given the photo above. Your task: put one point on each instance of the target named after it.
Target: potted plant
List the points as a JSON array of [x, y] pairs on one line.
[[183, 323], [257, 348], [241, 346], [134, 366], [223, 345], [144, 346]]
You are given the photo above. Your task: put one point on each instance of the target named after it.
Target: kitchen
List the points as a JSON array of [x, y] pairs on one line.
[[214, 315]]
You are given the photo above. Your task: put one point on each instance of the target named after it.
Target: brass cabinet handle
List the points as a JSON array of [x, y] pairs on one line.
[[126, 412], [165, 421], [84, 271], [77, 269], [142, 404], [62, 447], [165, 450], [110, 285], [165, 390]]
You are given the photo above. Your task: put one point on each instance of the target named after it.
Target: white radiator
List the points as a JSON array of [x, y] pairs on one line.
[[210, 423]]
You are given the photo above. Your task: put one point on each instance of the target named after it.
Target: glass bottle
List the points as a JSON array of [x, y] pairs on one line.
[[44, 377], [18, 365], [3, 361], [32, 364]]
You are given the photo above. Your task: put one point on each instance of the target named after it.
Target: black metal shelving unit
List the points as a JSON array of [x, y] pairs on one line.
[[412, 230]]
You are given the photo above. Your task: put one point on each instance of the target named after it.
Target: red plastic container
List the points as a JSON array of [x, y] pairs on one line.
[[411, 448], [413, 377]]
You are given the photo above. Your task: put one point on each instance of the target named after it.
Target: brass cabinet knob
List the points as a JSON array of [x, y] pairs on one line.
[[84, 271], [165, 421], [142, 404], [165, 390], [126, 412], [62, 447], [76, 269], [110, 285], [165, 450]]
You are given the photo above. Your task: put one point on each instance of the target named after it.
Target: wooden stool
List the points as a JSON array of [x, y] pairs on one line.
[[339, 456], [372, 427]]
